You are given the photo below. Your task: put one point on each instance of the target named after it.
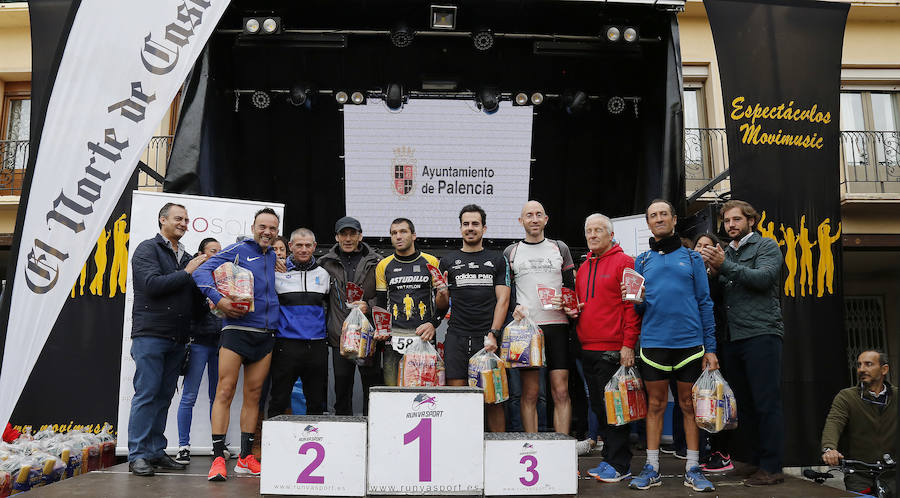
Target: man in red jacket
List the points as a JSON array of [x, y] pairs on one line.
[[608, 329]]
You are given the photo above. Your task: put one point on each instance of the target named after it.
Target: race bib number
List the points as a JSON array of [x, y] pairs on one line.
[[401, 343]]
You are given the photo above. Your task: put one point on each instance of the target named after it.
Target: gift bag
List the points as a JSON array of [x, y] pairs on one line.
[[235, 283], [356, 336], [522, 344], [624, 397], [420, 366], [488, 371], [715, 407]]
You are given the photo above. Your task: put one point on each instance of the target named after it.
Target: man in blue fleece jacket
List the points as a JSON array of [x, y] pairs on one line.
[[247, 338], [677, 338]]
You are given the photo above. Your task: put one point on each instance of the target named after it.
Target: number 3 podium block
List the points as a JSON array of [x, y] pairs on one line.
[[316, 455], [530, 464], [426, 441]]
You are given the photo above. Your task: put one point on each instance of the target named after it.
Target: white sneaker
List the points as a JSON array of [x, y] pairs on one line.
[[183, 455], [584, 447]]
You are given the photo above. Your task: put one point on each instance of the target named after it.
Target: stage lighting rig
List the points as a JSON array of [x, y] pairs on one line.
[[260, 99], [483, 39], [521, 99], [537, 98], [357, 98], [576, 102], [615, 34], [443, 17], [301, 94], [615, 105], [401, 35], [341, 97], [262, 25], [393, 96], [488, 100]]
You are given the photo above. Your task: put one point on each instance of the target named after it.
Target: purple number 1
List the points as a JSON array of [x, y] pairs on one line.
[[305, 477], [422, 432], [531, 460]]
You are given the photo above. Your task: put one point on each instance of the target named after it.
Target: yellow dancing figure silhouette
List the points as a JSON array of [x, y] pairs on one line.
[[825, 269], [422, 309], [408, 306], [119, 272], [81, 280], [806, 271], [790, 259], [769, 230], [100, 262]]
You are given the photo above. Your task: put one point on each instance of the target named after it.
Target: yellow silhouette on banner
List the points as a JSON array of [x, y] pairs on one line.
[[100, 261], [81, 280], [408, 306], [118, 274], [825, 274], [806, 271], [769, 231], [395, 311], [422, 309], [790, 259]]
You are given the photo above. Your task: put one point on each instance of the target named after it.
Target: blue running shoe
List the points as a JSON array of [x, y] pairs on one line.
[[695, 480], [606, 473], [646, 480]]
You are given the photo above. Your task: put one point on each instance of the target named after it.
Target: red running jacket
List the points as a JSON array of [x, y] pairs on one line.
[[606, 322]]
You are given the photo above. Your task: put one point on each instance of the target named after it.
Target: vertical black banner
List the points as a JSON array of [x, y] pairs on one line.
[[779, 63]]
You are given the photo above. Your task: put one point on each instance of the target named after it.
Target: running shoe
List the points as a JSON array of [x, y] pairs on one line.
[[606, 473], [584, 447], [718, 462], [218, 472], [680, 453], [695, 480], [183, 455], [247, 465], [668, 449], [646, 480]]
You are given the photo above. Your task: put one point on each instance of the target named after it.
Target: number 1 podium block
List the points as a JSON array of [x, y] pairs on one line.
[[426, 441], [530, 464], [317, 455]]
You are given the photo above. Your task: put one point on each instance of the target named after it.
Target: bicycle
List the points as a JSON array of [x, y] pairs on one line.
[[870, 470]]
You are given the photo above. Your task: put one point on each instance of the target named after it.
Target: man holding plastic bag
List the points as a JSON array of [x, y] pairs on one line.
[[478, 282], [677, 338], [608, 329]]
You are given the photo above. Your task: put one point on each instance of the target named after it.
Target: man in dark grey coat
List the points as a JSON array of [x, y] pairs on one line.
[[165, 301], [749, 274]]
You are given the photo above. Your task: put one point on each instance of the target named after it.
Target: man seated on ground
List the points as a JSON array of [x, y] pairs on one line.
[[866, 416]]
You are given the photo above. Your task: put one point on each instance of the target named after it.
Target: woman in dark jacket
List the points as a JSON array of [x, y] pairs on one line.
[[203, 355]]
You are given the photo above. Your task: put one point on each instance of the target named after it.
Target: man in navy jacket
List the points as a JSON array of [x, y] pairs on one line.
[[165, 300], [247, 338]]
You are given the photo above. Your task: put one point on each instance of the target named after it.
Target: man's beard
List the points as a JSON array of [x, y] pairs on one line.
[[472, 243]]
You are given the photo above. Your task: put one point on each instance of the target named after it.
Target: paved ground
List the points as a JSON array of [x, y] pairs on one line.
[[118, 482]]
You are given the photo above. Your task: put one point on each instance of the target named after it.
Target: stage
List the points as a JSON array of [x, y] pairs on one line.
[[117, 481]]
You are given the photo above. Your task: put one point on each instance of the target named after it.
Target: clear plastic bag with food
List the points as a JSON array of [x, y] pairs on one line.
[[715, 407], [522, 344], [488, 371], [420, 366], [356, 336], [235, 283], [624, 397]]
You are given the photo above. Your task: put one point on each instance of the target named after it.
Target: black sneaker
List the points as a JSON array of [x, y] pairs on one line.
[[183, 455], [718, 462], [668, 449], [681, 453]]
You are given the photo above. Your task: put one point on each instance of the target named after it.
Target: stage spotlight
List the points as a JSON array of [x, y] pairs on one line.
[[630, 35], [613, 34], [251, 25], [401, 35], [576, 102], [521, 99], [260, 99], [443, 17], [537, 98], [393, 96], [489, 100], [357, 98], [341, 97], [272, 25], [300, 94], [483, 39], [615, 105]]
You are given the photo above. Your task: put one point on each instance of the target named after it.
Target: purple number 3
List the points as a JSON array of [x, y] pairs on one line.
[[531, 469], [305, 477]]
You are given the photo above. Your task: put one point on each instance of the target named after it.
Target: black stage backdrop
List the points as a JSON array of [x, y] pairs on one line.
[[593, 162], [75, 381], [780, 62]]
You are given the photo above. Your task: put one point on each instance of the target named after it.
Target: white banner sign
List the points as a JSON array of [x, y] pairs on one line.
[[121, 68], [433, 157], [632, 234], [224, 220]]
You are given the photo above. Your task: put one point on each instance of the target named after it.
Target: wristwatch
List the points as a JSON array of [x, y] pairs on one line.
[[496, 333]]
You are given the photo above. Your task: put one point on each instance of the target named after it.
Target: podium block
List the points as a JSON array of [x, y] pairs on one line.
[[316, 455], [530, 464], [426, 441]]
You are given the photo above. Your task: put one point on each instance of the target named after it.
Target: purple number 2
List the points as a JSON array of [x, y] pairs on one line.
[[305, 477], [422, 432], [531, 460]]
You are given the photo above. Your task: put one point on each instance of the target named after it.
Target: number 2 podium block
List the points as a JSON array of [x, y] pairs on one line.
[[530, 464], [315, 455], [426, 441]]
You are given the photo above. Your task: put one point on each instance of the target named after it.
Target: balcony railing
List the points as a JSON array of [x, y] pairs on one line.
[[14, 158]]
